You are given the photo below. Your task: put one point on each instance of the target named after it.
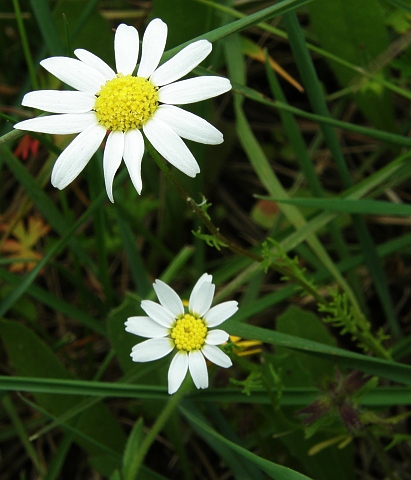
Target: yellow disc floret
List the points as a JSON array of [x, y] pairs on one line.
[[189, 333], [126, 103]]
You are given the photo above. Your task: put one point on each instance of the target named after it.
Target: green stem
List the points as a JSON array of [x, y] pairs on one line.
[[372, 343], [25, 45], [234, 247], [132, 472]]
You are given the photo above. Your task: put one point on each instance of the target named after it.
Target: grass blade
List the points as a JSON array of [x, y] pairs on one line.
[[317, 100], [340, 205]]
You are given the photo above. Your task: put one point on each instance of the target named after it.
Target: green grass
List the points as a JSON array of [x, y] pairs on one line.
[[301, 215]]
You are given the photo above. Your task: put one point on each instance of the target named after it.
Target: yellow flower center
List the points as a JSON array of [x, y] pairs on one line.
[[126, 103], [189, 333]]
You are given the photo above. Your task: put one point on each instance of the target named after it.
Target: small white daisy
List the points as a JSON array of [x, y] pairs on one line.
[[170, 327], [123, 104]]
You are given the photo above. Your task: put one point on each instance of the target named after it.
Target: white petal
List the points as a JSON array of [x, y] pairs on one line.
[[145, 327], [126, 46], [168, 298], [177, 371], [154, 41], [76, 156], [57, 101], [193, 90], [60, 124], [75, 73], [219, 314], [95, 62], [188, 125], [205, 277], [152, 349], [133, 154], [113, 153], [182, 63], [171, 147], [200, 300], [216, 337], [158, 313], [215, 355], [198, 369]]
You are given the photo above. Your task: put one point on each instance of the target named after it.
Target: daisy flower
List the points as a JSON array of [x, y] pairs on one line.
[[123, 104], [169, 327]]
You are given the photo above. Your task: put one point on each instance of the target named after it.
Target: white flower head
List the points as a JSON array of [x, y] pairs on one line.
[[169, 327], [125, 104]]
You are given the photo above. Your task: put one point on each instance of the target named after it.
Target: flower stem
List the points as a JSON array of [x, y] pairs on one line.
[[288, 271], [132, 472], [234, 247]]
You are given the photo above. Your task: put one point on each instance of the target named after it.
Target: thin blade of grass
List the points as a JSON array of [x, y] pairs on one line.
[[22, 433], [291, 396], [317, 100], [240, 467], [306, 165], [135, 262], [238, 25], [45, 22], [361, 206], [57, 304], [397, 168], [263, 169], [271, 183], [16, 293], [361, 72], [95, 180], [214, 439], [25, 45], [43, 202], [381, 135], [397, 372]]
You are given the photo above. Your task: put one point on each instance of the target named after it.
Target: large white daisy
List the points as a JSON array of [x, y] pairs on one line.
[[170, 327], [123, 104]]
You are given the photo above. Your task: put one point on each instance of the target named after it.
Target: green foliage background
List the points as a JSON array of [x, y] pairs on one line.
[[302, 215]]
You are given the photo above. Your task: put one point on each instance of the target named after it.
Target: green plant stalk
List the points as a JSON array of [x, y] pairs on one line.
[[307, 167], [235, 248], [355, 325], [154, 431], [268, 177], [285, 271], [25, 45]]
